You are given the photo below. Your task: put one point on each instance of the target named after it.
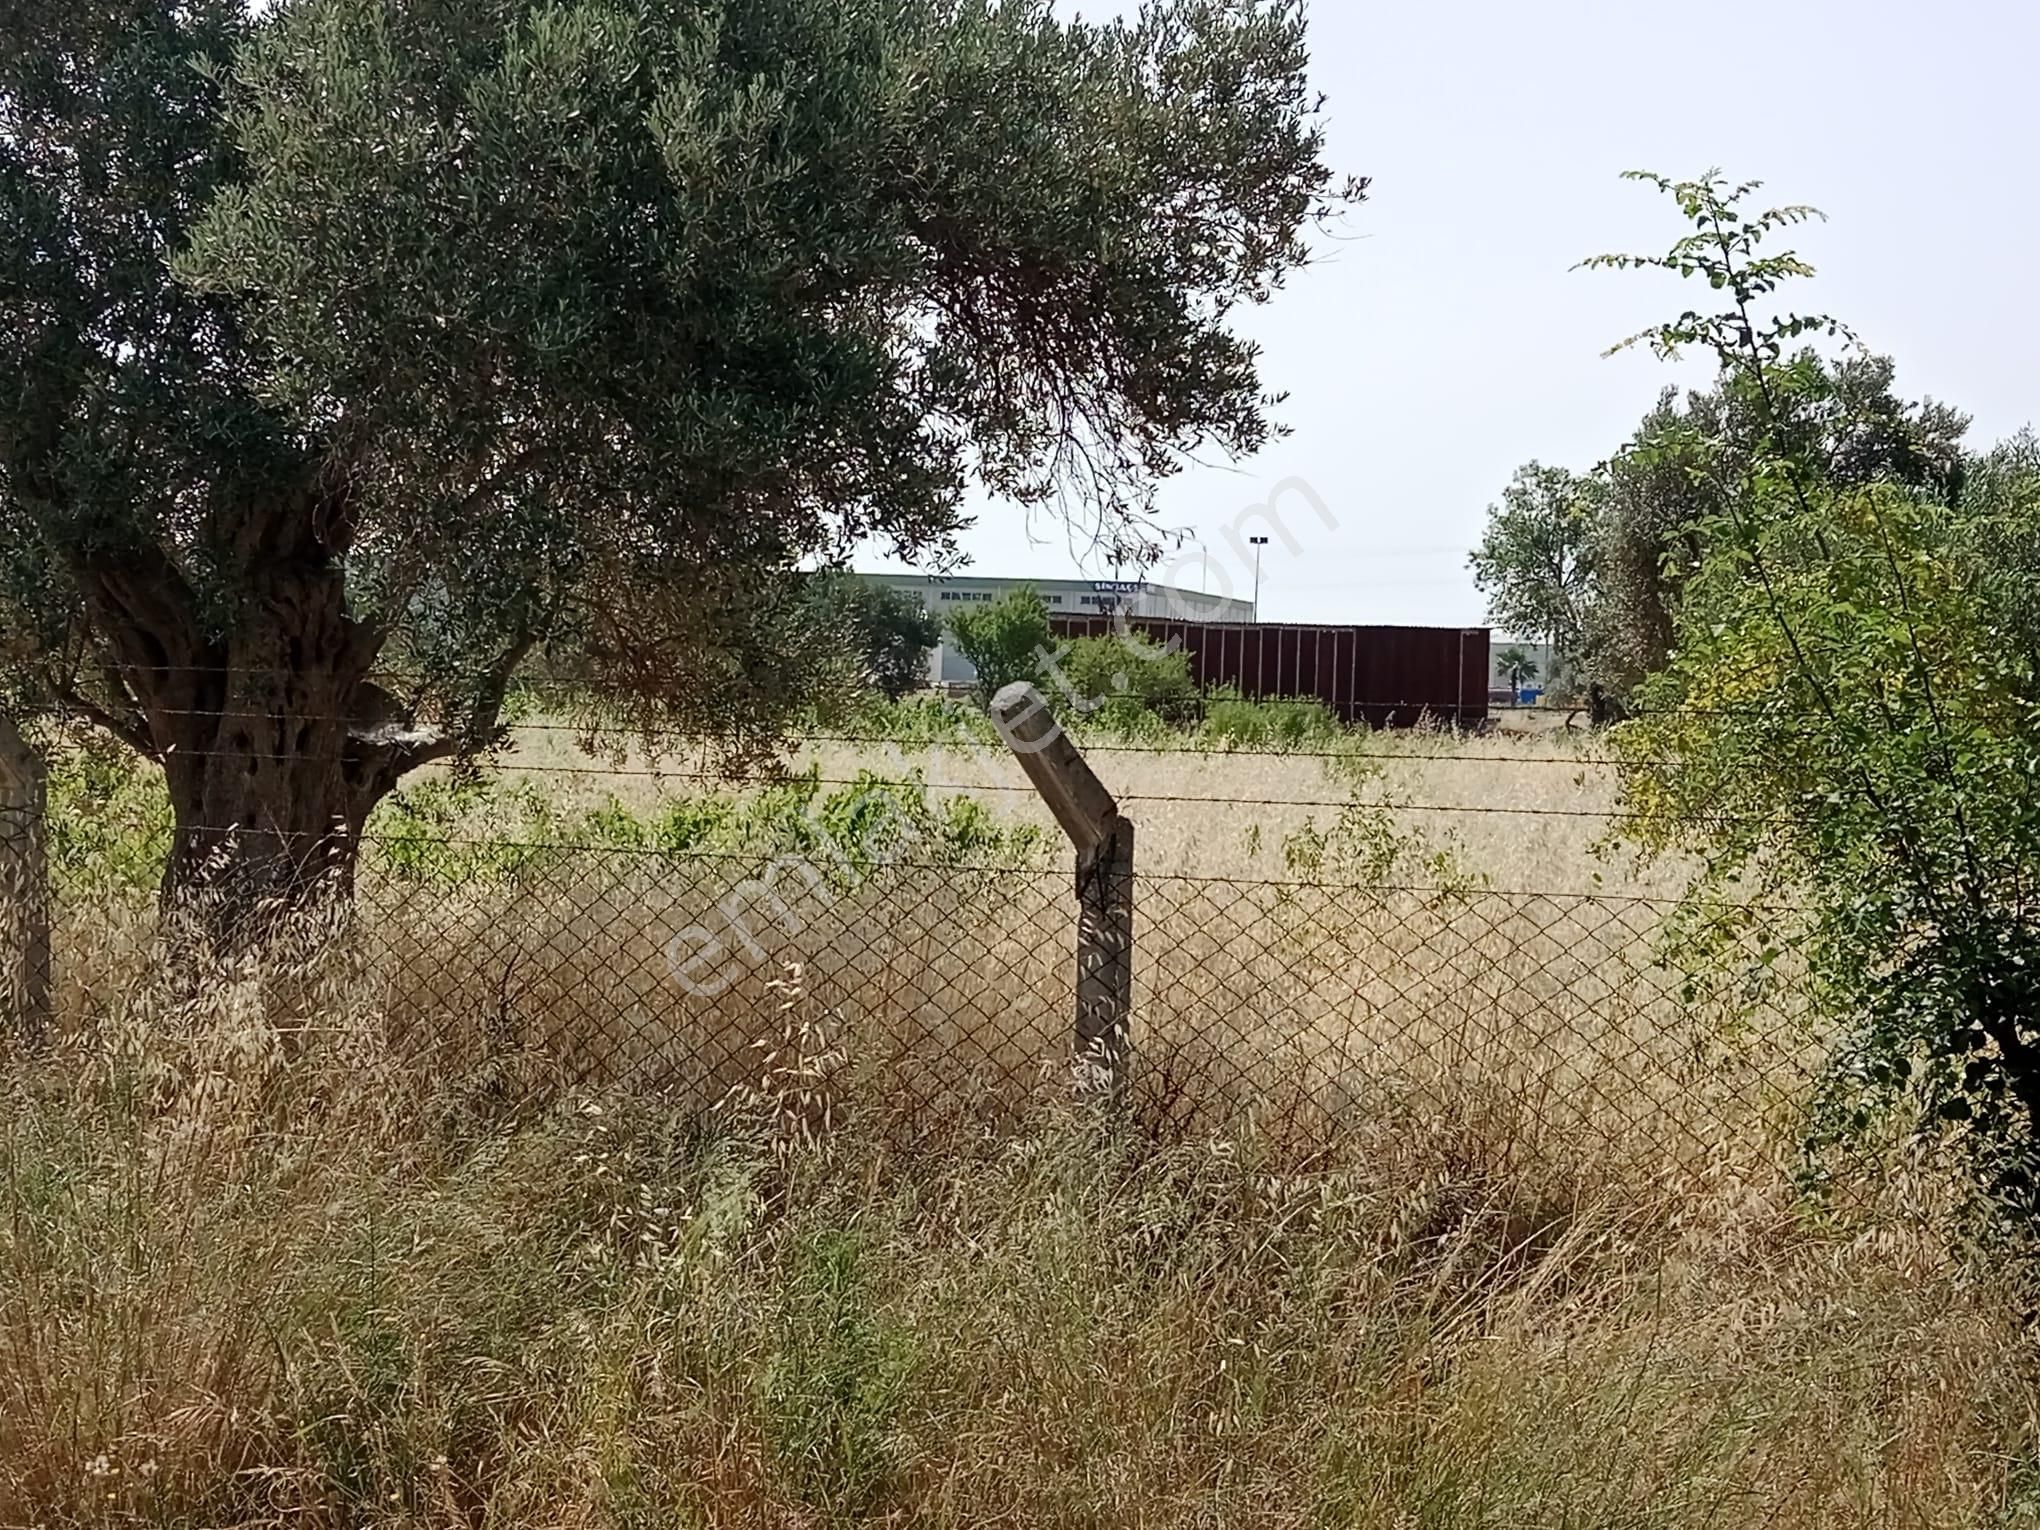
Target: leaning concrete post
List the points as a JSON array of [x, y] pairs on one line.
[[24, 889], [1104, 845]]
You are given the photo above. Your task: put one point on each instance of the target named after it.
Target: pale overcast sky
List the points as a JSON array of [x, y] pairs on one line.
[[1444, 339]]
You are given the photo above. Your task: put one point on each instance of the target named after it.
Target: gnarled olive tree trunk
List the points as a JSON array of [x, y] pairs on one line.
[[270, 788], [275, 742]]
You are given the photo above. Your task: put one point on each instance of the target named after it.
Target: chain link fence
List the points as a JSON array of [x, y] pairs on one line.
[[513, 973]]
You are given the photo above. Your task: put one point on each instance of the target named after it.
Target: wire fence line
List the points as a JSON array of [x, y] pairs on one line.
[[1360, 743], [520, 969], [1320, 1009], [1205, 799], [752, 775], [578, 691], [1380, 747], [535, 970]]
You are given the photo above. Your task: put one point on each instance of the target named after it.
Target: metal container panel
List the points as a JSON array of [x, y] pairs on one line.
[[1387, 677]]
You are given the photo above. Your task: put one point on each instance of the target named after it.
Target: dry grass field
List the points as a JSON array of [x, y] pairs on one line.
[[1434, 1210]]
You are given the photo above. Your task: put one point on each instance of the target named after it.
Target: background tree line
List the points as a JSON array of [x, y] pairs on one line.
[[1596, 562], [1823, 608]]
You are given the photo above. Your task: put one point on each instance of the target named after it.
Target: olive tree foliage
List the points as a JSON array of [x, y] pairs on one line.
[[1597, 560], [352, 351], [1849, 722], [884, 634]]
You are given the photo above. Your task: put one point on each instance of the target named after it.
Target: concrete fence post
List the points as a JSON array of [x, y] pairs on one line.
[[24, 889], [1104, 844]]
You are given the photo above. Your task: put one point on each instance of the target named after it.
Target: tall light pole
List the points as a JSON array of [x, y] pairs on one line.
[[1258, 544]]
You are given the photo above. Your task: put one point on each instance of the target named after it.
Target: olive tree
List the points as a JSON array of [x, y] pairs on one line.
[[352, 351], [884, 634]]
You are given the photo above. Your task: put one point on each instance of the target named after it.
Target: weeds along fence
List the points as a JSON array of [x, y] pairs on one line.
[[963, 973]]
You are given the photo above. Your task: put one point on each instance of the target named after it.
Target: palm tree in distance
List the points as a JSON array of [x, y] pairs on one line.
[[1518, 668]]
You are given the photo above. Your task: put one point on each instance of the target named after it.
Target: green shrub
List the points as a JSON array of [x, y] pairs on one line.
[[1849, 724], [1127, 685], [913, 722], [110, 826], [109, 820], [1006, 641], [1232, 722], [459, 829], [466, 831]]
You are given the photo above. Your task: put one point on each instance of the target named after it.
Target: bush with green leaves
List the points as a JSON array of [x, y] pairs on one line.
[[913, 722], [1232, 722], [1227, 722], [1367, 843], [459, 832], [110, 827], [1006, 641], [1849, 723], [109, 823], [1126, 683]]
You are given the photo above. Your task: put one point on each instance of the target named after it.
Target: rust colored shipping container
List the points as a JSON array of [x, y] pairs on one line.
[[1387, 677]]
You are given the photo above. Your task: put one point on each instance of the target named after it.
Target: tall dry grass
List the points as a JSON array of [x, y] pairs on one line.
[[334, 1242]]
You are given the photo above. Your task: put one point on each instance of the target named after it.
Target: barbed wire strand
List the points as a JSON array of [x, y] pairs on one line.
[[688, 855], [1022, 788], [1186, 748], [579, 691]]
